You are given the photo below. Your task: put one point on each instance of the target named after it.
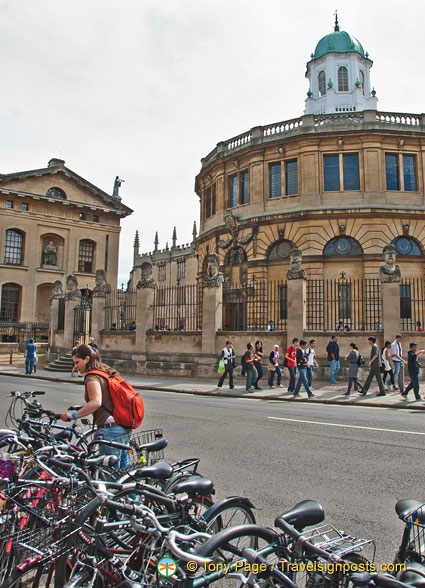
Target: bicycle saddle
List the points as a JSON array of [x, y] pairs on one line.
[[153, 445], [161, 470], [64, 435], [105, 460], [194, 485], [406, 507], [303, 514], [414, 575]]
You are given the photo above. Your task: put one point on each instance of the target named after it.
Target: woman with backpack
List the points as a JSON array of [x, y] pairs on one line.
[[353, 359], [99, 403]]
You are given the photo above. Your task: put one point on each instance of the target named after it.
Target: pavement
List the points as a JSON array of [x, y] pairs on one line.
[[324, 392]]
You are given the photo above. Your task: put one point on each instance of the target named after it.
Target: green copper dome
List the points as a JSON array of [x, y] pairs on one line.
[[338, 42]]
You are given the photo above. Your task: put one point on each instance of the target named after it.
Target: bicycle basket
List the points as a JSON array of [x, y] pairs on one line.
[[417, 533], [140, 438]]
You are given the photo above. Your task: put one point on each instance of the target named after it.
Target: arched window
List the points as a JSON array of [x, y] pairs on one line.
[[14, 247], [343, 246], [342, 79], [280, 250], [322, 83], [406, 246], [361, 79], [56, 193], [86, 256], [10, 301]]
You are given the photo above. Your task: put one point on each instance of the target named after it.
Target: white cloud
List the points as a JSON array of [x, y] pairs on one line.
[[144, 89]]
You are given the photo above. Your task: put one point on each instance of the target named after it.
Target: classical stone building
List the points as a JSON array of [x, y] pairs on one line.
[[338, 183], [53, 223]]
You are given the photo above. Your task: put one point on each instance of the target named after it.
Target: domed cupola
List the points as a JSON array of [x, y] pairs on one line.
[[339, 75]]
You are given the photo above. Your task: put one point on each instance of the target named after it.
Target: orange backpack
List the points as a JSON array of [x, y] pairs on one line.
[[128, 404]]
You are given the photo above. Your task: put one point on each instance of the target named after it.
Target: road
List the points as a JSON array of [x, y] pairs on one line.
[[357, 462]]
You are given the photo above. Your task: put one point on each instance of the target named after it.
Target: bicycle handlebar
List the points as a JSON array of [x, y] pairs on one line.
[[253, 557], [171, 542]]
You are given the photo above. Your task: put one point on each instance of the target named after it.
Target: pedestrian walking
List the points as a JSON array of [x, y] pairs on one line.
[[397, 357], [228, 356], [310, 354], [374, 369], [353, 358], [302, 370], [274, 367], [31, 350], [291, 363], [250, 370], [332, 350], [413, 366], [387, 367], [93, 345], [258, 349]]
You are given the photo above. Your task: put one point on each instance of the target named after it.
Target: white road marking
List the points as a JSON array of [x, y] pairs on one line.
[[347, 426]]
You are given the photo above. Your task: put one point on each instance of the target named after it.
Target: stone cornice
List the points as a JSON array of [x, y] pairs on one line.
[[313, 125]]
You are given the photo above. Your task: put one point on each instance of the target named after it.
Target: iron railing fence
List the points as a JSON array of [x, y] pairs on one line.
[[13, 332], [412, 304], [344, 304], [120, 310], [178, 308], [250, 306]]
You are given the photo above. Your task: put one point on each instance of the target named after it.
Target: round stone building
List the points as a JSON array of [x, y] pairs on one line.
[[339, 183]]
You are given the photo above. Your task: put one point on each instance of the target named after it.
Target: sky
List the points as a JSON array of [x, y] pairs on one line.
[[144, 89]]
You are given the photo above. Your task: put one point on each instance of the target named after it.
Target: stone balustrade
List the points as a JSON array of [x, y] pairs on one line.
[[308, 124]]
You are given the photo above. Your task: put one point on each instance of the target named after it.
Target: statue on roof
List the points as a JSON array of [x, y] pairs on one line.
[[117, 185]]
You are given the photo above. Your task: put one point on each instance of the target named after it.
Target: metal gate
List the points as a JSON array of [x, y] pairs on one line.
[[82, 319], [234, 308]]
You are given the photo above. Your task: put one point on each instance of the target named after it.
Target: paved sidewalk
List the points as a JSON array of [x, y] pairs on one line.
[[325, 393]]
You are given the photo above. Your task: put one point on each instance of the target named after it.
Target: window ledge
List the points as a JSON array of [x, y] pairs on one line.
[[14, 265], [52, 269]]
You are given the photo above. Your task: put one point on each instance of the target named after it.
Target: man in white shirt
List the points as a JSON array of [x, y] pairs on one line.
[[310, 354], [228, 356], [397, 357]]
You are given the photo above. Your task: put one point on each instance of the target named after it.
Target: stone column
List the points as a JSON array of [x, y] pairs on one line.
[[212, 317], [390, 309], [390, 277], [100, 293], [296, 297], [144, 310], [72, 299], [55, 296], [68, 331]]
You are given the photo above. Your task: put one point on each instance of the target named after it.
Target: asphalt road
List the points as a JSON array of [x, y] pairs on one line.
[[357, 462]]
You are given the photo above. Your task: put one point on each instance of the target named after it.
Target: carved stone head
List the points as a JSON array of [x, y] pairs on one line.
[[146, 280], [100, 277], [57, 290], [389, 253], [213, 265], [295, 259]]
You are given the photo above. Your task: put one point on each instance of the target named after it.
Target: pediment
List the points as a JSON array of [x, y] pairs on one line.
[[75, 188]]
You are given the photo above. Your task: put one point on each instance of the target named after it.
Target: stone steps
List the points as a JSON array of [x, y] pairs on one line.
[[62, 364]]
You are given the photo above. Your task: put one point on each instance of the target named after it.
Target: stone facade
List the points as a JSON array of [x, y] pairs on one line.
[[370, 216], [53, 223], [170, 266]]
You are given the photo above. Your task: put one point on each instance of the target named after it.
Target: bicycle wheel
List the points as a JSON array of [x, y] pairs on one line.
[[227, 546], [36, 576], [230, 512]]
